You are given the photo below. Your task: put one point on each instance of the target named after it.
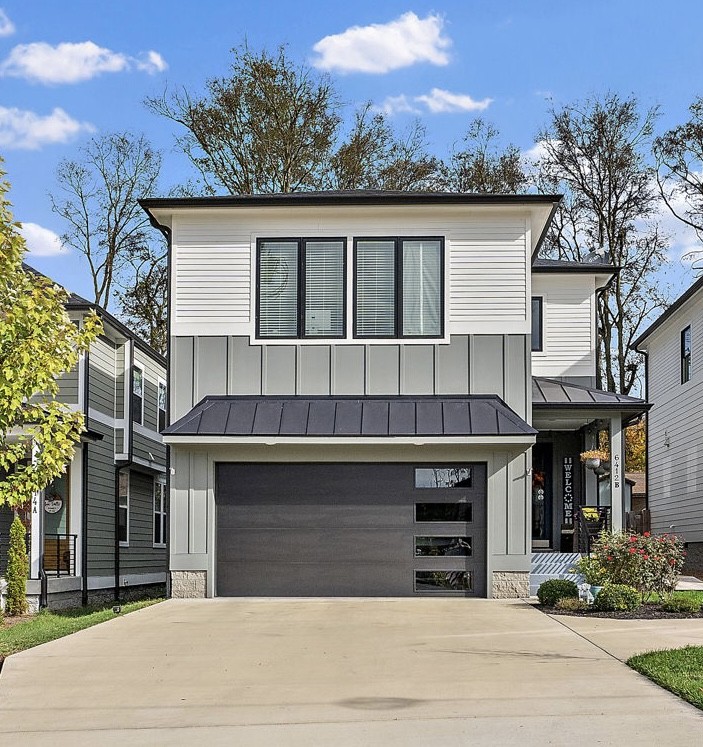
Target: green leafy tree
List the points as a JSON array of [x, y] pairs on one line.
[[38, 343], [17, 570]]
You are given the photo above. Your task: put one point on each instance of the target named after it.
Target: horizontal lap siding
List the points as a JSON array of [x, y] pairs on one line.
[[141, 556], [675, 488], [153, 371], [101, 502], [568, 325], [68, 387], [148, 449], [102, 377]]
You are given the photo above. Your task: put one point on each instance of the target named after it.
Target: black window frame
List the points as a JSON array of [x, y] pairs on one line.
[[686, 368], [301, 242], [540, 302], [140, 397], [398, 316], [161, 412]]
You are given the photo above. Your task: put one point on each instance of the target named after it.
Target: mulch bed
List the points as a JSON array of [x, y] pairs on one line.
[[8, 622], [645, 612]]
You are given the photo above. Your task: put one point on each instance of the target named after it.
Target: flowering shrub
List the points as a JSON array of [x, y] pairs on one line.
[[591, 569], [650, 564]]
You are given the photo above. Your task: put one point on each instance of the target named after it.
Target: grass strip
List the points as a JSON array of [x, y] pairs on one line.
[[679, 670], [49, 625]]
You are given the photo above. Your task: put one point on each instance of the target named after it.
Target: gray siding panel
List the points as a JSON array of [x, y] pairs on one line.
[[383, 369], [487, 367], [313, 369], [119, 381], [452, 363], [516, 374], [279, 369], [211, 366], [244, 367], [101, 503], [181, 376], [348, 369], [141, 556], [148, 449], [417, 373], [68, 387]]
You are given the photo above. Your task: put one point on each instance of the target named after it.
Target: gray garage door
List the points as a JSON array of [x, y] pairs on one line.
[[351, 529]]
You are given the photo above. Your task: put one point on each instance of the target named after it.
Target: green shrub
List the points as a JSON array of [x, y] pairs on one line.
[[591, 569], [617, 598], [688, 605], [569, 604], [17, 570], [551, 591]]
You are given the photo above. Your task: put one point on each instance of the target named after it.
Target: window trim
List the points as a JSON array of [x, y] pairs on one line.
[[159, 482], [124, 543], [301, 243], [398, 317], [137, 366], [161, 382], [540, 300], [685, 360]]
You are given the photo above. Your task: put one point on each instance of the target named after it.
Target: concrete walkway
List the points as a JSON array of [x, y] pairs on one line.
[[343, 672]]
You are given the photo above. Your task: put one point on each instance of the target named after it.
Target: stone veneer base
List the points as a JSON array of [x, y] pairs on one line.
[[511, 584], [188, 584]]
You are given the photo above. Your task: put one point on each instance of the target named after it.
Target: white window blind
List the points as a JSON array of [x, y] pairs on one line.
[[278, 289], [375, 288], [324, 289], [422, 297]]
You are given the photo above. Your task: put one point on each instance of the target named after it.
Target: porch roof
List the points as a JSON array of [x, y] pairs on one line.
[[555, 394], [449, 416]]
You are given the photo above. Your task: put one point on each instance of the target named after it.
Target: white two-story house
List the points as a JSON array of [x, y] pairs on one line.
[[352, 403]]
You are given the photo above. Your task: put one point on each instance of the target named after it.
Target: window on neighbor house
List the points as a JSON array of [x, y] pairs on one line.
[[537, 324], [159, 512], [686, 354], [123, 509], [398, 287], [162, 405], [137, 394], [301, 288]]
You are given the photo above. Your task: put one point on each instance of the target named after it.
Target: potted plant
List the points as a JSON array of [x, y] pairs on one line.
[[593, 573], [594, 457]]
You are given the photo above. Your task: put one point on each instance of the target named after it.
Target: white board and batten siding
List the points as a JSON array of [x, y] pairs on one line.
[[675, 450], [569, 324], [487, 258]]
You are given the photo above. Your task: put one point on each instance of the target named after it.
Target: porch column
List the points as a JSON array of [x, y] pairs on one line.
[[617, 460], [35, 534]]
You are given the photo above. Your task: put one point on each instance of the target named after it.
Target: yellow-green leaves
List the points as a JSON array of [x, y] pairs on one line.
[[38, 343]]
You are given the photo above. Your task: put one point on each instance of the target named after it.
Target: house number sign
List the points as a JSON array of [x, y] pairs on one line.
[[568, 487]]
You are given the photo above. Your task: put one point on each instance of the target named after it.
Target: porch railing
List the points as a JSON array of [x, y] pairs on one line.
[[60, 554], [591, 523]]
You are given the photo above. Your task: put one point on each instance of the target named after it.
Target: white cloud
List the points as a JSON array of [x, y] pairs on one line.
[[67, 62], [7, 28], [25, 130], [396, 104], [382, 47], [41, 242], [439, 101]]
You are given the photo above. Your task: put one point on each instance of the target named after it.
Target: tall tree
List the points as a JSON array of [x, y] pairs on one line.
[[481, 165], [679, 154], [597, 152], [38, 343], [267, 127], [97, 198]]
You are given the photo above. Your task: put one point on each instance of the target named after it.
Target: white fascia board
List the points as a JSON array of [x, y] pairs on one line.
[[495, 441]]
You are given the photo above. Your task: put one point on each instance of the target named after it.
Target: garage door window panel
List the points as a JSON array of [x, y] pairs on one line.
[[434, 546], [443, 512], [443, 582]]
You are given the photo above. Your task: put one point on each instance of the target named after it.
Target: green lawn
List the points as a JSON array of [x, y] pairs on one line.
[[679, 670], [47, 626], [697, 595]]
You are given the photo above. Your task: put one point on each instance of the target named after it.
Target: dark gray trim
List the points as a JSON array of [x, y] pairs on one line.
[[539, 348], [678, 303], [558, 266], [350, 197]]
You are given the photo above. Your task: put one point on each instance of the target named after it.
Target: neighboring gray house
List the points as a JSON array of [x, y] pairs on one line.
[[672, 346], [103, 523], [352, 404]]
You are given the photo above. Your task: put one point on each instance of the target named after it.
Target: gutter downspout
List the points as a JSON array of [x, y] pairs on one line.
[[84, 487]]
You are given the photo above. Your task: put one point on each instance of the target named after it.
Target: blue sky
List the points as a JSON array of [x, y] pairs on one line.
[[78, 68]]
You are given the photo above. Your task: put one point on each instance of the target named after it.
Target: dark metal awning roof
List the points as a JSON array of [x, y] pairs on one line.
[[552, 393], [374, 417]]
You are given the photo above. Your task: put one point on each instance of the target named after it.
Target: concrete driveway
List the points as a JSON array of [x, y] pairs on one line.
[[340, 672]]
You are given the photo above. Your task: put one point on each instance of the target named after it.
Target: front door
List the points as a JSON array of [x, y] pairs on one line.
[[541, 496]]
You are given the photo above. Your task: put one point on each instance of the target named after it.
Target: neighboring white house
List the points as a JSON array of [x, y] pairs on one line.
[[352, 402], [673, 346]]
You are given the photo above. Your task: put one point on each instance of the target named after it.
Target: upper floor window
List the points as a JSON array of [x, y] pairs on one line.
[[301, 288], [137, 394], [686, 354], [162, 405], [537, 324], [398, 287]]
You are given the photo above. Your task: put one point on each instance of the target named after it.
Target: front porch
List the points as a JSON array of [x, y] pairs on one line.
[[569, 418]]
